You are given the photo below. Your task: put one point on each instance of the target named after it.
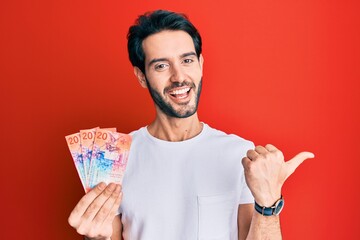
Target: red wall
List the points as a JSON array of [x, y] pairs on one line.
[[281, 72]]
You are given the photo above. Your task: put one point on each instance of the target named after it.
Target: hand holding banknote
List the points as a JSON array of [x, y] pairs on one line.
[[94, 214], [100, 157]]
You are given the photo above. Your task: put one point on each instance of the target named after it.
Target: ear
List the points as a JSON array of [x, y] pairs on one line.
[[201, 61], [140, 76]]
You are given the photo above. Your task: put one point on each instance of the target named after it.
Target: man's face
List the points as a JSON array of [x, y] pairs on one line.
[[173, 72]]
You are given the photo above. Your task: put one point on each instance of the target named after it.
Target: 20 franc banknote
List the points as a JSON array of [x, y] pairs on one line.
[[109, 157], [73, 142], [87, 137]]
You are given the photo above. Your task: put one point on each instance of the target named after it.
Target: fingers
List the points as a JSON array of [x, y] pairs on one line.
[[109, 192], [246, 162], [93, 215], [104, 217], [266, 171], [253, 154], [84, 202], [271, 148], [261, 150], [95, 207], [109, 219], [108, 207], [297, 160]]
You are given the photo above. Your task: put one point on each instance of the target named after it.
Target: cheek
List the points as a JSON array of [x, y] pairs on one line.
[[197, 75], [159, 77], [197, 71], [157, 83]]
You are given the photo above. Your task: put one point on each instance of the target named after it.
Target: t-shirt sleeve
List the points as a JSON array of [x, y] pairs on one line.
[[245, 193]]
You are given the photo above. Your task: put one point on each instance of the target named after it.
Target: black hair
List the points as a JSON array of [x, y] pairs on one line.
[[154, 22]]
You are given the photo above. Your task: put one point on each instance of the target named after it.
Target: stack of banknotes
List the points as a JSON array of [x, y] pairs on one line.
[[100, 155]]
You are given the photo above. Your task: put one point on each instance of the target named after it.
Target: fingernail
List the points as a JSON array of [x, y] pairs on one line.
[[101, 186], [112, 186], [118, 188]]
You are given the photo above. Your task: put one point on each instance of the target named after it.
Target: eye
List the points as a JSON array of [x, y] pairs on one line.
[[188, 60], [161, 66]]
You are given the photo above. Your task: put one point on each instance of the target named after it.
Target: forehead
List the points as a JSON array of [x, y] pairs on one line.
[[167, 44]]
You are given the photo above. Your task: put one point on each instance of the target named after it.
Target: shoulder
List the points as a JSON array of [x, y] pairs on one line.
[[229, 140], [138, 132]]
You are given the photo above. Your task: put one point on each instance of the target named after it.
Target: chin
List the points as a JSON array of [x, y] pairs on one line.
[[184, 114]]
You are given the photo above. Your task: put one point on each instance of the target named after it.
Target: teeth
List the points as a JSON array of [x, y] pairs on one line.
[[180, 91]]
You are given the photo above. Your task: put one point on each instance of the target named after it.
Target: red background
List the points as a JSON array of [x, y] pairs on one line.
[[281, 72]]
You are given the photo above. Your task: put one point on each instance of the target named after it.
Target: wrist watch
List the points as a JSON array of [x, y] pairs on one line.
[[270, 211]]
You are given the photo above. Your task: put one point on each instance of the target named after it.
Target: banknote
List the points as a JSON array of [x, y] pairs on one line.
[[109, 157], [73, 142], [87, 137]]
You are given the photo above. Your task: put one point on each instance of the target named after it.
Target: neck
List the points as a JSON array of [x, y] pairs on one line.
[[175, 129]]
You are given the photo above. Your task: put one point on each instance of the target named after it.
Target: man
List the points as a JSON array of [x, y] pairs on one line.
[[184, 179]]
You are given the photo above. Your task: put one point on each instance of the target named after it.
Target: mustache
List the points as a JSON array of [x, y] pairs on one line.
[[179, 84]]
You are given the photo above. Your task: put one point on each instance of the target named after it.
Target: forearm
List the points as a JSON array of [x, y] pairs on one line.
[[264, 227]]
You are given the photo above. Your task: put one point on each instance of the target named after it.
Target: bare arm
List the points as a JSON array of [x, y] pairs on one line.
[[245, 213], [265, 173], [264, 227], [260, 226]]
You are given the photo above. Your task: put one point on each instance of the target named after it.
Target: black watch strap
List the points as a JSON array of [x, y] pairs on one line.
[[270, 211]]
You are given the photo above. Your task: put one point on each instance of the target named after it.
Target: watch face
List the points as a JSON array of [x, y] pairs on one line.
[[279, 206]]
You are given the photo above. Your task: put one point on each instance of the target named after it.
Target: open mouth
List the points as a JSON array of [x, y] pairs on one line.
[[180, 93]]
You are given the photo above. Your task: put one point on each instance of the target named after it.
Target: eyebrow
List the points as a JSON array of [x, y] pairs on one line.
[[155, 60]]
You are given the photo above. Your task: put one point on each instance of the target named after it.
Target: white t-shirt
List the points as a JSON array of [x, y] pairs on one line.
[[187, 190]]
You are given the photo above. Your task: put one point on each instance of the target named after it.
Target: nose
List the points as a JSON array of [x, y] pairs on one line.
[[177, 74]]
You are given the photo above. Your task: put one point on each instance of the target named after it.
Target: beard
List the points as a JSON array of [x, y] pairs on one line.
[[167, 108]]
